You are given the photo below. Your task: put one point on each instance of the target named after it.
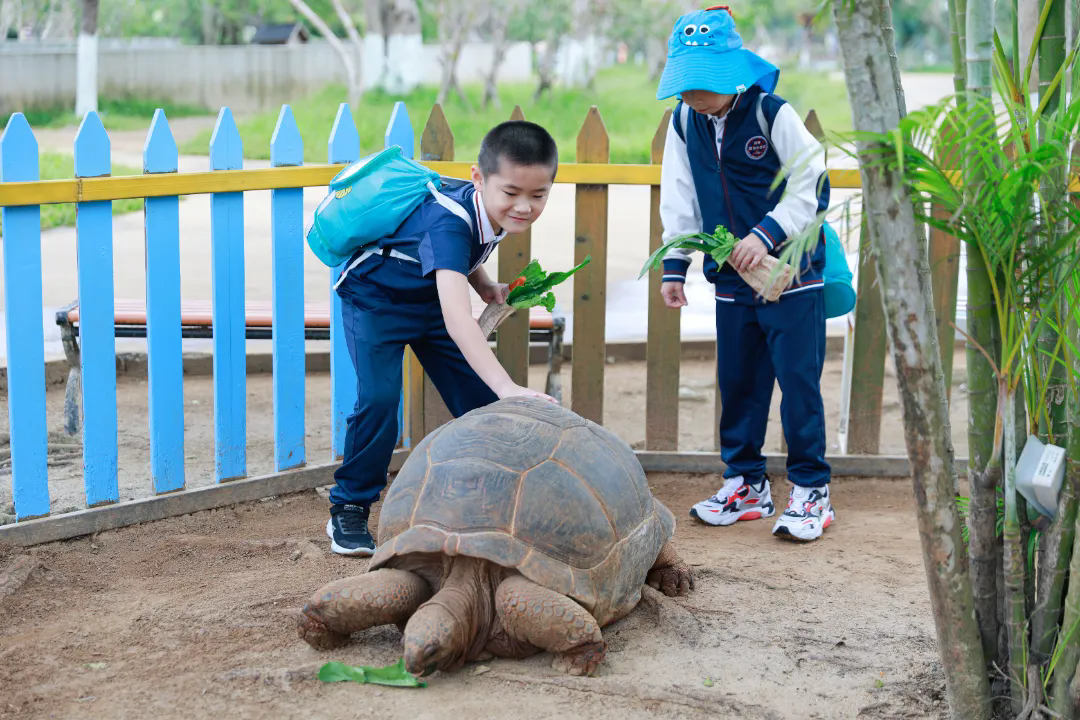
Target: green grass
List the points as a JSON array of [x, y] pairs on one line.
[[60, 166], [625, 97], [118, 113]]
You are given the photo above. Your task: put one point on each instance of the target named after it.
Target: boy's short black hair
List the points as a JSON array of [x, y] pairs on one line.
[[519, 142]]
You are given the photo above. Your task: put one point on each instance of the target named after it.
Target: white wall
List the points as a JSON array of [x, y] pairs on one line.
[[245, 78]]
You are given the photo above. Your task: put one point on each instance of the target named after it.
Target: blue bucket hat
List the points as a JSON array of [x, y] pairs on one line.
[[705, 52]]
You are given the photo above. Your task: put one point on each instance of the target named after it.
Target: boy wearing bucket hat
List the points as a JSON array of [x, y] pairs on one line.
[[729, 139]]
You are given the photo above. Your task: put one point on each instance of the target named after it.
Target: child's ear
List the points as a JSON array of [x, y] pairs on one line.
[[477, 178]]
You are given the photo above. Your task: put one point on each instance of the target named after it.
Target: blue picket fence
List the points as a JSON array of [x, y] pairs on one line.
[[23, 307]]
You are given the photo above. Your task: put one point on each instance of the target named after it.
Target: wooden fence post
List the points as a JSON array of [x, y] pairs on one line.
[[290, 366], [165, 374], [868, 374], [590, 283], [343, 146], [663, 347], [97, 352], [512, 337], [812, 124], [230, 338], [25, 334], [436, 143]]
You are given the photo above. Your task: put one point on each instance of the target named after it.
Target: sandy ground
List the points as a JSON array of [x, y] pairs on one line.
[[194, 617]]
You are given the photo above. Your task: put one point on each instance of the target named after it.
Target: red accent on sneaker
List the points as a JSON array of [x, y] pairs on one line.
[[751, 516], [753, 501], [828, 522]]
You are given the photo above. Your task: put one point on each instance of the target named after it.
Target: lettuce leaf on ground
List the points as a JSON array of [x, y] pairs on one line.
[[394, 675], [536, 290]]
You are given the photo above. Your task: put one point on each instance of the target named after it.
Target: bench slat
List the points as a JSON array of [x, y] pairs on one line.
[[258, 314]]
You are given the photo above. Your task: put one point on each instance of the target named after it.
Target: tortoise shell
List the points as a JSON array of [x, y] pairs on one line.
[[533, 487]]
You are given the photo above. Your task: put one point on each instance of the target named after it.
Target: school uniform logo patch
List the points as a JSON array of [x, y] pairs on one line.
[[756, 147]]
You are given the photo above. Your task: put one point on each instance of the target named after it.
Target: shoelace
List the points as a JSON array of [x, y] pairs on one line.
[[353, 521], [723, 495]]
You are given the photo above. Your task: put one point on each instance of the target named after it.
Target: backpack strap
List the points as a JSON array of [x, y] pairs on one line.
[[451, 205], [680, 119], [760, 112]]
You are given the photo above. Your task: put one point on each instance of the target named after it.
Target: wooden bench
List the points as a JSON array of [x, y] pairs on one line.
[[196, 321]]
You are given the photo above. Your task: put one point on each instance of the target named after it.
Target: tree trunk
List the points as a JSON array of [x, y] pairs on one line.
[[984, 468], [1068, 664], [86, 61], [356, 89], [501, 15], [900, 264], [352, 78], [545, 67], [455, 22]]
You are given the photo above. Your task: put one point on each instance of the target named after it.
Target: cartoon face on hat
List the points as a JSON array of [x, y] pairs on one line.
[[705, 52]]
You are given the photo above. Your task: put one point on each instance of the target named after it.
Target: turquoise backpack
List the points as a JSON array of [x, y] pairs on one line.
[[839, 293], [368, 200]]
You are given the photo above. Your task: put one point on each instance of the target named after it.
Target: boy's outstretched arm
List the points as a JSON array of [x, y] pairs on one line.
[[453, 290]]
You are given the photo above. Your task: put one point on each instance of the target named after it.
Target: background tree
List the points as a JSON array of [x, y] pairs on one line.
[[456, 20], [86, 60], [351, 57], [499, 17]]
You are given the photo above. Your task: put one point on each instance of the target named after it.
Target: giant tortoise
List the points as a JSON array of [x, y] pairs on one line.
[[517, 528]]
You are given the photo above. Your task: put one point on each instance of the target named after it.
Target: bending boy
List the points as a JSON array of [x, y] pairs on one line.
[[413, 289]]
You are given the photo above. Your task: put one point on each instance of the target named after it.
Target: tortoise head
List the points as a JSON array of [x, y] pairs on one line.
[[435, 639]]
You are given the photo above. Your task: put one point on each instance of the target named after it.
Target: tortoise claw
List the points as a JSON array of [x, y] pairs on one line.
[[582, 660], [672, 580]]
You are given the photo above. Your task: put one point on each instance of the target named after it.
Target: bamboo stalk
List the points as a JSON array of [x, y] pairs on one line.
[[1015, 614], [984, 461], [1068, 662]]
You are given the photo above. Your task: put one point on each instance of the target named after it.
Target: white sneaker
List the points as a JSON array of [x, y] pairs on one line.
[[809, 512], [736, 501]]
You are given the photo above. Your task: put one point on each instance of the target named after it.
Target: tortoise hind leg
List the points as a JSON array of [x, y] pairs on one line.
[[342, 607], [670, 574], [541, 617]]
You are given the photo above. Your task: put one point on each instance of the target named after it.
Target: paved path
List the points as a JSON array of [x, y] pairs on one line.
[[553, 235]]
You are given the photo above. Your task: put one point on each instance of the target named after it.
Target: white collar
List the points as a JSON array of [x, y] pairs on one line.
[[487, 233]]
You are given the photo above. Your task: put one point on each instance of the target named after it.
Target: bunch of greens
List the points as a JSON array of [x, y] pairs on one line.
[[394, 675], [719, 245], [534, 286]]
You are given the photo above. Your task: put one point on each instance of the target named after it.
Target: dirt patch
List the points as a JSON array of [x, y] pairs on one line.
[[188, 616]]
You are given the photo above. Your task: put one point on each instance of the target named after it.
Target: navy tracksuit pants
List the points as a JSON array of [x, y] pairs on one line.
[[377, 329], [758, 345]]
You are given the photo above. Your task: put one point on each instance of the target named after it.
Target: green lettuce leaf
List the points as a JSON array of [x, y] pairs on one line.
[[538, 284], [394, 675], [719, 245]]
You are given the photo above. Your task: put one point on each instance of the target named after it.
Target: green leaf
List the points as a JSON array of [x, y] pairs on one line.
[[394, 675], [719, 245], [536, 290], [708, 682]]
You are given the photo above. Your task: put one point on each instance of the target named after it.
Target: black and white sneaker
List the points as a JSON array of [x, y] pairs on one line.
[[348, 530]]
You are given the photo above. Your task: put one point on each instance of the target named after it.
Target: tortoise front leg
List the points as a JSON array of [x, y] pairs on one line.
[[670, 574], [342, 607], [541, 617]]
